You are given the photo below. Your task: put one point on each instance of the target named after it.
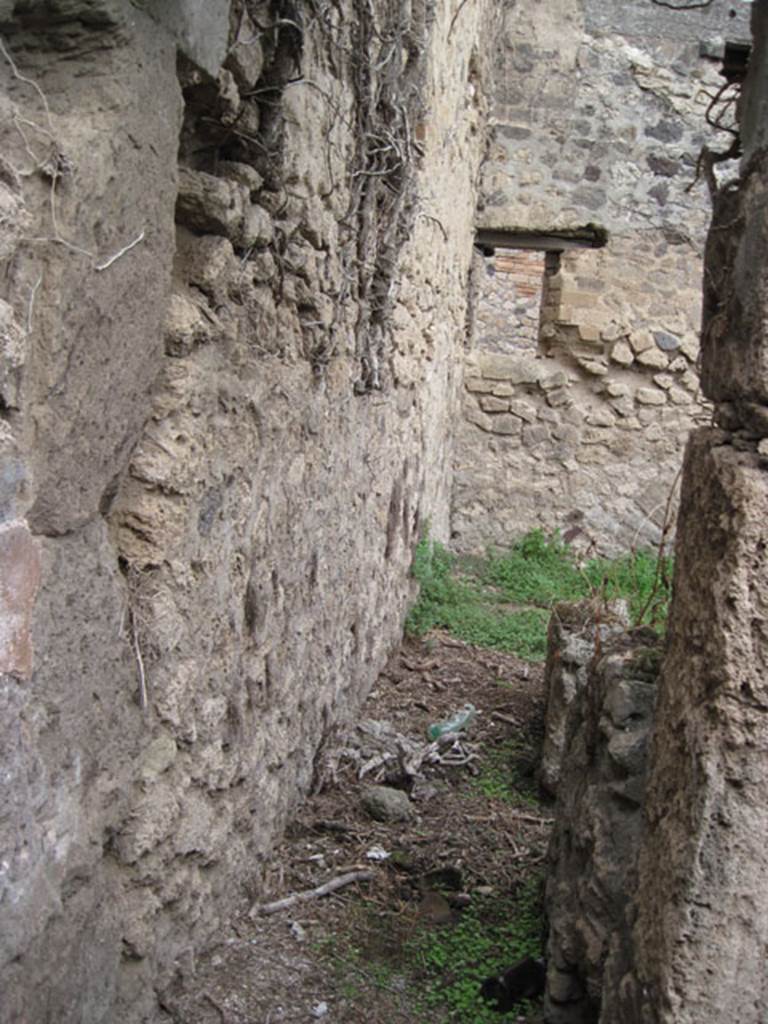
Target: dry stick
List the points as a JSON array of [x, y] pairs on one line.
[[309, 894], [519, 816], [666, 527], [504, 718], [122, 252], [455, 17], [143, 698]]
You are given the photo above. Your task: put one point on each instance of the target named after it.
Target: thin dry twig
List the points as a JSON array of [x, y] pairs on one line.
[[309, 894], [455, 18], [143, 693], [504, 718], [126, 248], [659, 575], [532, 819]]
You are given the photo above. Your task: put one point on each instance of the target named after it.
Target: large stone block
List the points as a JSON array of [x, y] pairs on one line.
[[602, 730], [93, 340], [19, 581], [702, 929], [734, 341], [200, 28]]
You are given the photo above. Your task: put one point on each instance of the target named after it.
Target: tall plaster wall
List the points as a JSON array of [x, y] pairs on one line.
[[207, 504], [598, 117]]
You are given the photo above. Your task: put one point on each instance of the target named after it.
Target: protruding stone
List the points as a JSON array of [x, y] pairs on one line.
[[19, 581], [689, 347], [185, 326], [505, 424], [558, 398], [496, 366], [387, 804], [207, 204], [601, 417], [653, 358], [524, 410], [650, 396], [641, 340], [478, 385], [665, 341], [489, 403], [245, 58], [612, 332], [593, 367], [622, 354], [535, 434], [256, 230], [243, 174], [552, 381], [679, 397]]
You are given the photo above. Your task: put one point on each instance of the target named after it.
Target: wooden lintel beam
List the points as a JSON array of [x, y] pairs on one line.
[[554, 241]]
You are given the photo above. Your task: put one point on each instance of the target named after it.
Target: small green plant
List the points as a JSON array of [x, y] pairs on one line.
[[490, 936]]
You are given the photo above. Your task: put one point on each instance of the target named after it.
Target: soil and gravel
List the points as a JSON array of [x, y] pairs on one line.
[[478, 833]]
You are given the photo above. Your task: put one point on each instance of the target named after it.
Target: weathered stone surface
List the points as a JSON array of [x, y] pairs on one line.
[[734, 355], [650, 396], [575, 633], [653, 358], [489, 403], [622, 354], [495, 366], [221, 582], [208, 204], [598, 817], [12, 356], [702, 908], [19, 582], [122, 141], [200, 28], [245, 57]]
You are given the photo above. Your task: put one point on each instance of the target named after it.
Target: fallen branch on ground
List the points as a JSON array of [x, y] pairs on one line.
[[309, 894]]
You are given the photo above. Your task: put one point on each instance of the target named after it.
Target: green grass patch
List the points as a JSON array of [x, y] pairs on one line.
[[467, 597], [490, 936]]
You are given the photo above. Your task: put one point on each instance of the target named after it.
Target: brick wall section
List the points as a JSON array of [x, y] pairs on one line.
[[509, 291]]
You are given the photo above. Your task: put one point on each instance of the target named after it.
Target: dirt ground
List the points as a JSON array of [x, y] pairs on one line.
[[477, 836]]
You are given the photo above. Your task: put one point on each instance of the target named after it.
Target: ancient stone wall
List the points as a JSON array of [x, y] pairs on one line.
[[598, 121], [702, 913], [220, 432], [601, 690]]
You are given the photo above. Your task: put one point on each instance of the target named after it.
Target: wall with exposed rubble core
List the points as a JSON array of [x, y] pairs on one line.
[[233, 306], [598, 120]]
